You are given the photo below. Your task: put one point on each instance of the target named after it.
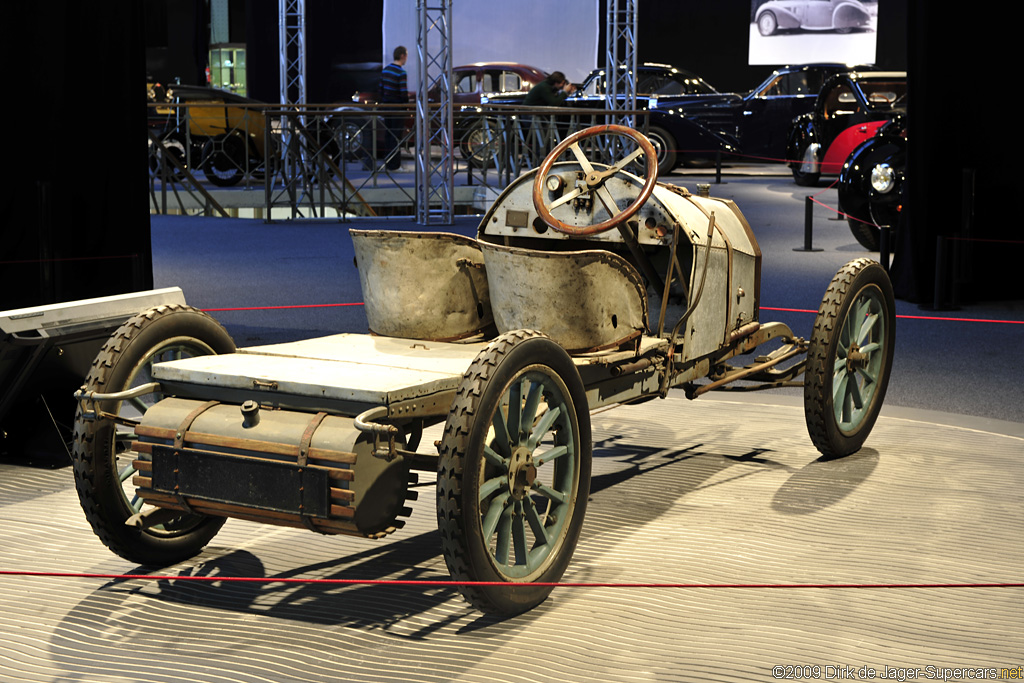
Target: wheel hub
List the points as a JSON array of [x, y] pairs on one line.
[[521, 472], [855, 359]]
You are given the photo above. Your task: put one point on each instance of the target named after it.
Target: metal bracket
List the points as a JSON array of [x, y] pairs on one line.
[[90, 411]]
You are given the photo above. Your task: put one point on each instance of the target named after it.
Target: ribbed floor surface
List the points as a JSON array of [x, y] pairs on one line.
[[711, 491]]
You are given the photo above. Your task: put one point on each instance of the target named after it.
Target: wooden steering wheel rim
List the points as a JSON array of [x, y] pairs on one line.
[[651, 158]]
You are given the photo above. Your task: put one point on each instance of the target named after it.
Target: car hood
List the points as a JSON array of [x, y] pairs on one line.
[[696, 104]]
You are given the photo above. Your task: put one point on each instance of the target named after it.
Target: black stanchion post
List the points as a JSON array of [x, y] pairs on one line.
[[808, 226], [939, 295], [718, 168], [884, 235]]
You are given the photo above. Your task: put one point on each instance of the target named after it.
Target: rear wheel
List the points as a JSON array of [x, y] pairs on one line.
[[849, 358], [224, 160], [514, 473], [480, 144], [102, 457]]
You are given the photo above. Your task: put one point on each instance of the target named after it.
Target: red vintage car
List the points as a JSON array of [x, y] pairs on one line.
[[849, 110]]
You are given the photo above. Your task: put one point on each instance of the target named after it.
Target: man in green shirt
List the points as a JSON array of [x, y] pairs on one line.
[[550, 92]]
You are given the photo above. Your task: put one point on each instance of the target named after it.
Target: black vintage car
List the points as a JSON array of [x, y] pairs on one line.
[[850, 108], [675, 137], [871, 182], [758, 122]]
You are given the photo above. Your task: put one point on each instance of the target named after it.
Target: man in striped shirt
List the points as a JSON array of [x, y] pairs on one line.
[[394, 89]]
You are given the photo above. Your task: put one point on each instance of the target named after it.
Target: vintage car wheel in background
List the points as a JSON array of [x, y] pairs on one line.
[[172, 154], [665, 147], [801, 177], [102, 462], [224, 160], [480, 144], [767, 24], [514, 473], [849, 358]]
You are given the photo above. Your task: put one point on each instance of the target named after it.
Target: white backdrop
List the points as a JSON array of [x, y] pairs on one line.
[[554, 36]]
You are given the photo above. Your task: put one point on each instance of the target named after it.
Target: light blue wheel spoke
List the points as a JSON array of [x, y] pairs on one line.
[[839, 387], [519, 533], [139, 404], [549, 455], [532, 403], [536, 524], [870, 348], [494, 459], [504, 535], [490, 523], [869, 377], [839, 366], [515, 408], [501, 441], [865, 329], [492, 486], [845, 333], [126, 473], [549, 492], [853, 390], [543, 425]]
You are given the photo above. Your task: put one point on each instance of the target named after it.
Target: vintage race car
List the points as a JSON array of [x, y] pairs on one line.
[[841, 16], [871, 183], [849, 110], [586, 286]]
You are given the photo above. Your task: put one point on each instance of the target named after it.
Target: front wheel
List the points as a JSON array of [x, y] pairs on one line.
[[801, 177], [767, 24], [849, 358], [102, 457], [864, 230], [514, 472], [665, 147]]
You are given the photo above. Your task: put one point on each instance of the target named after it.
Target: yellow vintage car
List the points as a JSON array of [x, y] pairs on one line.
[[227, 131]]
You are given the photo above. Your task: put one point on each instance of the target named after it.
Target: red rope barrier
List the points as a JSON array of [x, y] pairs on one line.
[[450, 583], [913, 317]]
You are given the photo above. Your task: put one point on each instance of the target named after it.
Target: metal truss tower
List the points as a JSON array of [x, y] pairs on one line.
[[435, 177], [291, 32], [620, 49]]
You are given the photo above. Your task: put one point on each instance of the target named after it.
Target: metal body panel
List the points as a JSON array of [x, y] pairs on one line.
[[71, 315], [513, 215], [583, 300], [731, 288], [422, 285]]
